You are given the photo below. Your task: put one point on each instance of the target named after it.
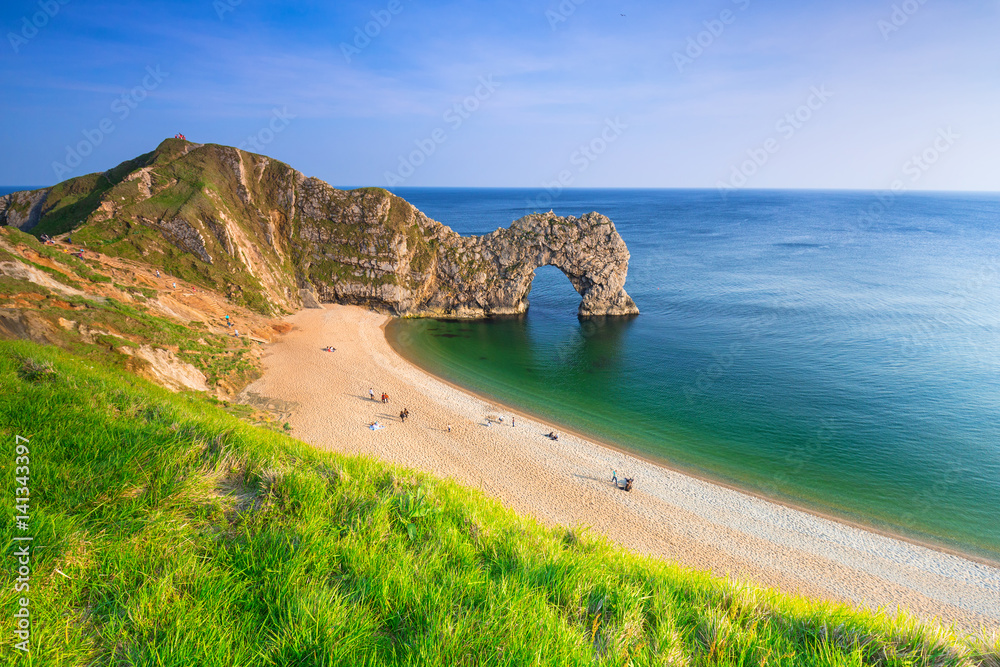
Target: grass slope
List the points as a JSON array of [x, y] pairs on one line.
[[218, 356], [167, 532], [109, 213]]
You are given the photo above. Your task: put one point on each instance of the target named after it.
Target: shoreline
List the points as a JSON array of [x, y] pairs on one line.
[[670, 515], [596, 440]]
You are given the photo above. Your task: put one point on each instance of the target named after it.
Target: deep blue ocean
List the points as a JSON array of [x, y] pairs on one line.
[[7, 189], [836, 350]]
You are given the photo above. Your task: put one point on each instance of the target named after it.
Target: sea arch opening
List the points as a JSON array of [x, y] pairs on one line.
[[551, 293]]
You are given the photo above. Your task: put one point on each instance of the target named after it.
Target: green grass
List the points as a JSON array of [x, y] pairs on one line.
[[82, 268], [71, 203], [11, 286], [178, 181], [218, 356], [138, 290], [139, 243], [167, 532]]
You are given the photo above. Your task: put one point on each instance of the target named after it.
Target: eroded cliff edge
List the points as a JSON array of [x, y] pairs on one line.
[[269, 237]]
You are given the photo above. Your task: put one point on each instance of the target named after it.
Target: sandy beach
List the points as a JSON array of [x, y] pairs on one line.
[[668, 514]]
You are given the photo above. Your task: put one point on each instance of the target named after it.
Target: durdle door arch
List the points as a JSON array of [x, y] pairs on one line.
[[492, 274], [600, 282]]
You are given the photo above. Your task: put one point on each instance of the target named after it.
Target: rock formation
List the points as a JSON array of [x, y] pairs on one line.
[[371, 248], [22, 209], [275, 240], [491, 275]]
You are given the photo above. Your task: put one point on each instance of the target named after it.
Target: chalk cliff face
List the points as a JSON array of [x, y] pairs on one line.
[[270, 238], [372, 248], [22, 209]]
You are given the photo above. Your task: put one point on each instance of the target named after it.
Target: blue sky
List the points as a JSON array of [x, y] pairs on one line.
[[739, 93]]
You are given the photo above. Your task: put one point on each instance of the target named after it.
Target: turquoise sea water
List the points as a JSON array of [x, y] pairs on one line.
[[829, 349]]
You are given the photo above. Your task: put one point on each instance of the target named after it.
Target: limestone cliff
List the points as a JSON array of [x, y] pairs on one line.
[[266, 235], [491, 275], [22, 209]]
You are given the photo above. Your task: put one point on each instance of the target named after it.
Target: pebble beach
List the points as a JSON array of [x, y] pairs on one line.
[[567, 482]]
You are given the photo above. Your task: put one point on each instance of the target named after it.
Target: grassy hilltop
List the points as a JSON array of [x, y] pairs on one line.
[[185, 212], [244, 225], [168, 532]]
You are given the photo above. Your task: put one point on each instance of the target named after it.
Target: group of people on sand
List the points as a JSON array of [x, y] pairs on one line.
[[490, 419], [625, 483], [404, 414]]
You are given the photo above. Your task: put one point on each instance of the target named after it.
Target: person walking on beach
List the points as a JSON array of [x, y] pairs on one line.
[[614, 477], [402, 416], [385, 397], [449, 428], [371, 393]]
